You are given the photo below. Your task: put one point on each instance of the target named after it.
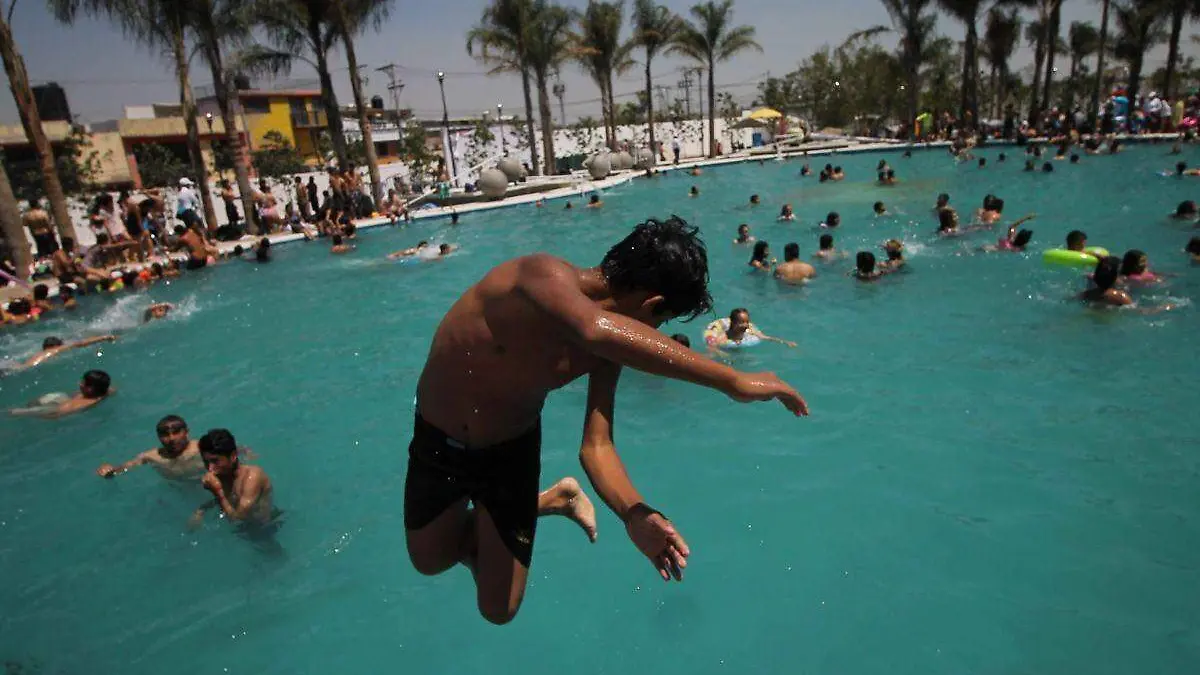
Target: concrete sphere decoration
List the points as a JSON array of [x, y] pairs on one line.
[[510, 167], [493, 183], [600, 167], [645, 159]]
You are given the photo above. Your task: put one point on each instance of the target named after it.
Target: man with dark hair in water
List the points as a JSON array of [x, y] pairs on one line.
[[95, 386], [532, 325], [177, 456], [241, 491], [53, 346]]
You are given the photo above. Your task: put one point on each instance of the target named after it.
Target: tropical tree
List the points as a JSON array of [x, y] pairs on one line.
[[709, 39], [216, 25], [1101, 48], [349, 18], [1180, 10], [11, 230], [999, 41], [162, 26], [654, 29], [1052, 40], [501, 40], [967, 13], [915, 27], [1139, 28], [1035, 33], [548, 46], [31, 121], [599, 50], [1082, 41]]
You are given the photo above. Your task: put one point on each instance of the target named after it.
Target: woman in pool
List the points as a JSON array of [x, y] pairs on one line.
[[760, 259], [1016, 240], [737, 331], [785, 213], [743, 235], [1134, 269]]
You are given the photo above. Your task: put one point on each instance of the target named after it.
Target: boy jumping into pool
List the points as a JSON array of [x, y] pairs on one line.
[[530, 326], [176, 457]]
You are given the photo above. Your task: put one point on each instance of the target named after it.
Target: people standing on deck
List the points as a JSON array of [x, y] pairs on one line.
[[37, 220]]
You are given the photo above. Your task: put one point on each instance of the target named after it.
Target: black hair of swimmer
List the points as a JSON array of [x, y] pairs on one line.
[[444, 249], [1180, 167], [351, 228], [664, 257], [891, 174], [337, 240], [907, 153], [695, 190], [51, 343], [95, 384], [947, 220], [454, 218], [823, 177], [983, 161], [832, 219], [865, 262], [594, 199], [156, 269], [760, 251], [791, 251], [736, 311], [1002, 157], [218, 442], [1074, 158], [129, 278], [165, 425], [825, 242], [1186, 209], [1106, 272], [837, 169], [682, 339], [238, 250], [879, 207], [19, 307], [1047, 167], [881, 165], [943, 200], [894, 250], [1076, 239], [1193, 246], [754, 199], [41, 292], [1134, 262], [829, 168], [1022, 238], [1029, 165], [881, 176]]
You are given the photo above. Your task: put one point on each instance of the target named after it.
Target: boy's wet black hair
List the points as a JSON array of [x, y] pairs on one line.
[[833, 219], [759, 253], [1193, 246], [167, 422], [865, 262], [825, 242], [791, 251], [1076, 237], [946, 219], [52, 342], [97, 383], [1132, 262], [218, 442], [337, 240], [1106, 272], [666, 258], [19, 307], [41, 292], [1022, 238], [1186, 207]]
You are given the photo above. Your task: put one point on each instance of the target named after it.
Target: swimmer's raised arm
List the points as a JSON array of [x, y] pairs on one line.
[[552, 286], [93, 340], [109, 471], [649, 530]]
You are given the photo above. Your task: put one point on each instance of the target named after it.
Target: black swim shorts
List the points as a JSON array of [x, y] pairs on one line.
[[196, 263], [502, 478]]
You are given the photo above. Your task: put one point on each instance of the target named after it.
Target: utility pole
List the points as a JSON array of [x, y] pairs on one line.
[[394, 87], [559, 90], [686, 85]]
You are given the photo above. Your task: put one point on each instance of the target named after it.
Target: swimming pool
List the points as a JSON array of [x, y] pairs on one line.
[[993, 480]]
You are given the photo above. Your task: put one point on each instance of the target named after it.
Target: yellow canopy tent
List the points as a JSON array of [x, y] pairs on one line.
[[765, 114]]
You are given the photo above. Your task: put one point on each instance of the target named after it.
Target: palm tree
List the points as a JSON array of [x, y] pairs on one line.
[[1052, 40], [1139, 28], [1180, 10], [31, 120], [217, 24], [1101, 48], [602, 54], [999, 41], [11, 230], [916, 33], [1082, 41], [655, 28], [159, 25], [549, 44], [349, 20], [967, 12], [709, 40], [1035, 34], [501, 41]]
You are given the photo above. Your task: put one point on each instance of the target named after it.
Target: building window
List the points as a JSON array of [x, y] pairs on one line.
[[256, 105]]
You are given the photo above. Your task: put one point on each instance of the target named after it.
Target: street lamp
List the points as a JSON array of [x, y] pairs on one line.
[[446, 123], [208, 119], [500, 119]]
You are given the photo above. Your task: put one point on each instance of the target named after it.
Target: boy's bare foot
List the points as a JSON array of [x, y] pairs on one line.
[[566, 498]]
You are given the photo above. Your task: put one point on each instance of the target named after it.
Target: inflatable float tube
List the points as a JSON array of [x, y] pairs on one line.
[[1085, 258], [715, 336]]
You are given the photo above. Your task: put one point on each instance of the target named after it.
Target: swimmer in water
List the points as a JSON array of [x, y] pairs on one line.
[[1029, 166], [1135, 269], [1016, 240], [806, 170], [743, 235], [947, 222], [444, 250], [1104, 293], [793, 270], [838, 174], [1074, 158], [1193, 250], [338, 246], [880, 209], [567, 207], [894, 249], [786, 213], [754, 201], [241, 491], [943, 201], [759, 258], [487, 378], [832, 220], [1047, 167], [990, 213], [1002, 157], [1181, 169], [53, 346], [158, 310], [454, 217], [95, 386], [682, 339], [695, 171], [826, 251], [865, 269], [982, 162], [739, 328], [1185, 211], [694, 192], [409, 251], [594, 202], [1077, 241], [176, 457]]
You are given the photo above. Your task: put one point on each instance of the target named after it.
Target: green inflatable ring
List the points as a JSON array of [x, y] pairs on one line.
[[1085, 258]]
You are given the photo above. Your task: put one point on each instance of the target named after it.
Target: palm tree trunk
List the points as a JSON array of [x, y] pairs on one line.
[[187, 101], [1069, 101], [547, 123], [364, 124], [913, 76], [1135, 82], [14, 233], [612, 108], [1052, 31], [1100, 64], [533, 153], [970, 83], [1039, 60], [211, 46], [993, 94], [1177, 16], [712, 117], [650, 111], [31, 120], [333, 114], [605, 114]]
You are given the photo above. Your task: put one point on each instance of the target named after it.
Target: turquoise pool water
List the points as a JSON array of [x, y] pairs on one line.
[[993, 479]]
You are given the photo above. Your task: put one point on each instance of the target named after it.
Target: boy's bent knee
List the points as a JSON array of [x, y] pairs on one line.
[[499, 613]]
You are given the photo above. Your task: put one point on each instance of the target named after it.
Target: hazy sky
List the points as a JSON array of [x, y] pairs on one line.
[[102, 71]]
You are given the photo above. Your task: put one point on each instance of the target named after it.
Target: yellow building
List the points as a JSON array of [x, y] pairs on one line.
[[295, 114]]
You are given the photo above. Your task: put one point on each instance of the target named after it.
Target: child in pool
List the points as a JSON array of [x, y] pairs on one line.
[[1185, 211], [759, 258], [338, 246], [95, 386], [743, 235], [894, 248], [1015, 241], [785, 213], [694, 192], [864, 267], [1193, 250], [990, 213], [1104, 292], [1077, 241], [826, 251], [832, 220], [738, 331], [880, 209], [1134, 269]]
